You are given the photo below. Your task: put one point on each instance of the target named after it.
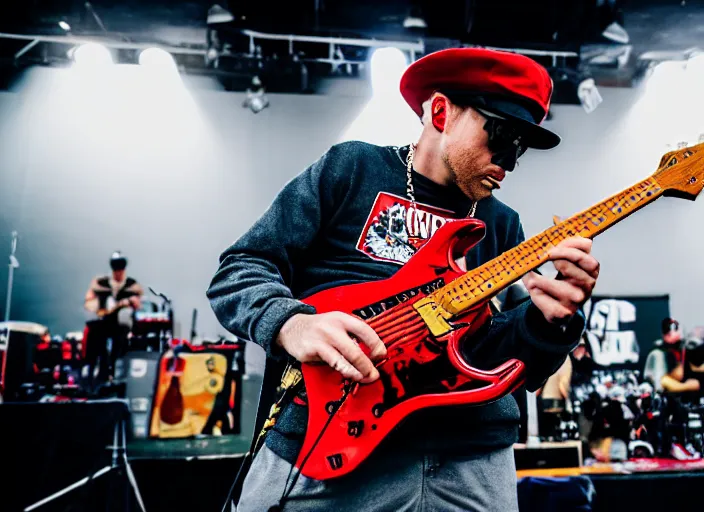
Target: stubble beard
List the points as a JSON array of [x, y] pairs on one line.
[[469, 180]]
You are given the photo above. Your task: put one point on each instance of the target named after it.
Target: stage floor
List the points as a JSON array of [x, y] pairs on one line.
[[49, 446], [630, 467]]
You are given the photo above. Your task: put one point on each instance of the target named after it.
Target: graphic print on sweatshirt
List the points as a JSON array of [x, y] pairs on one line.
[[395, 230]]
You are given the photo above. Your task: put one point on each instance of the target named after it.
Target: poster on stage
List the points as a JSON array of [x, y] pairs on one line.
[[197, 393], [621, 330]]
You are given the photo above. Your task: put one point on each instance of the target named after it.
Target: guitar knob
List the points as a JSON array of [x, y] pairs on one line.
[[355, 428]]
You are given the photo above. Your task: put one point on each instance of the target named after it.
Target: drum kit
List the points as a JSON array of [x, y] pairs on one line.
[[34, 363]]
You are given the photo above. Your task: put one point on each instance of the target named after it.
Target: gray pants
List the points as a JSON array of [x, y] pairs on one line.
[[484, 482]]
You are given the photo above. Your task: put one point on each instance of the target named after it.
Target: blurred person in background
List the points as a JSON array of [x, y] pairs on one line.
[[111, 301]]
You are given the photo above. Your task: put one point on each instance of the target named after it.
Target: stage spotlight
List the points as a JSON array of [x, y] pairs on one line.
[[157, 59], [218, 14], [387, 66], [92, 54], [575, 87], [65, 26], [616, 33], [256, 99], [588, 94], [414, 22]]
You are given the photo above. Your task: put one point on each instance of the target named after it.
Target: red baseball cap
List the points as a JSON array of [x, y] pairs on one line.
[[508, 85]]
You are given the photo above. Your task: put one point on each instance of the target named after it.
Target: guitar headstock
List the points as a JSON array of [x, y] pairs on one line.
[[681, 172]]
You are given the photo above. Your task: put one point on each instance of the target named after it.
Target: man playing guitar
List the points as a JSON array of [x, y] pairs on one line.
[[111, 300], [357, 215]]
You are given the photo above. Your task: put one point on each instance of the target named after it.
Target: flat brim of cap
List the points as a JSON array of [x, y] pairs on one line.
[[534, 135]]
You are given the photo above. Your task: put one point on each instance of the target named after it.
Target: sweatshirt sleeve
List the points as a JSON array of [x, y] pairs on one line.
[[523, 333], [250, 291]]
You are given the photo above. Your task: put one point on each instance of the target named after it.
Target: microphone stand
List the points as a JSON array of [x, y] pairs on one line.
[[119, 462], [13, 264]]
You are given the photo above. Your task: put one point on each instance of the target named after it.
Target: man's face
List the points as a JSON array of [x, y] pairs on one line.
[[672, 337], [467, 156], [580, 351], [118, 275]]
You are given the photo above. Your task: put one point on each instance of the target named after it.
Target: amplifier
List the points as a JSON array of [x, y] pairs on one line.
[[138, 370], [548, 455]]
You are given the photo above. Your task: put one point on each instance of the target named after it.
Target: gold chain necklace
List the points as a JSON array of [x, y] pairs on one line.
[[409, 182]]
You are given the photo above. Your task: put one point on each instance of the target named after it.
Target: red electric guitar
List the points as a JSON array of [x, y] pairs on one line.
[[425, 311]]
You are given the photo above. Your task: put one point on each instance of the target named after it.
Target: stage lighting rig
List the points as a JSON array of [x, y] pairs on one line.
[[575, 87], [256, 99]]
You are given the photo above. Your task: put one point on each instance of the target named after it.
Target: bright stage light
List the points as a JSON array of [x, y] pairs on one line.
[[387, 66], [695, 69], [158, 60], [92, 54], [386, 120]]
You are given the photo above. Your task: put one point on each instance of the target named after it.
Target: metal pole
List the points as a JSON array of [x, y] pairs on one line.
[[13, 264], [9, 292], [71, 487]]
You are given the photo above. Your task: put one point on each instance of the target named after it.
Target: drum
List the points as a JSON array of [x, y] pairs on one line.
[[152, 326], [18, 345]]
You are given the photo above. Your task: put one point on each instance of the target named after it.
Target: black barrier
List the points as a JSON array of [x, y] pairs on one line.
[[65, 456]]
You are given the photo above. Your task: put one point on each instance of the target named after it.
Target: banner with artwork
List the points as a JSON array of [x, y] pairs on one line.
[[621, 330]]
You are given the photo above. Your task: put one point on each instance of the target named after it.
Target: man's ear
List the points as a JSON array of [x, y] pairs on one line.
[[438, 112]]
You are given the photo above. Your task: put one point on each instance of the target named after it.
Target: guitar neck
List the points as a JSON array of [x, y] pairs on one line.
[[487, 280]]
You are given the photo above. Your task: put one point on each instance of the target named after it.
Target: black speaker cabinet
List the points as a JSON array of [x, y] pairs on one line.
[[138, 371], [567, 454]]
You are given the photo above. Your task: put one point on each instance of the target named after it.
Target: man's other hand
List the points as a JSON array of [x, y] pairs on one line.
[[327, 337], [559, 299]]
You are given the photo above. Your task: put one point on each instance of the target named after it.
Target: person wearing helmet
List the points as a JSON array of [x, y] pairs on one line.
[[358, 214], [684, 387], [110, 300], [666, 355], [687, 378]]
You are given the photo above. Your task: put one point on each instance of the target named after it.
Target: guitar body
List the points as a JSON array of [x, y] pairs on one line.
[[421, 370]]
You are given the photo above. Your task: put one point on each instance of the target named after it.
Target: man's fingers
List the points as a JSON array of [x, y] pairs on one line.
[[338, 362], [558, 299], [577, 242], [578, 257], [572, 273], [550, 306], [365, 334], [354, 355], [559, 290]]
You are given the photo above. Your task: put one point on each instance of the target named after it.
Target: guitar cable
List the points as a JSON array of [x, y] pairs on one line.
[[288, 490], [256, 444]]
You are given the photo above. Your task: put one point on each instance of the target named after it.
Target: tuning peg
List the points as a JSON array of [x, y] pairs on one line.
[[681, 144], [556, 220], [701, 138]]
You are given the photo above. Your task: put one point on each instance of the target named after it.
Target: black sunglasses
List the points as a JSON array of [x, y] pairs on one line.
[[503, 137]]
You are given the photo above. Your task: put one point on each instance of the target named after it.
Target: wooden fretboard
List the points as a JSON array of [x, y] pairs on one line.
[[487, 280]]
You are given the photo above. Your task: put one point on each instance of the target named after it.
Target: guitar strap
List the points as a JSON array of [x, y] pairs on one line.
[[291, 383]]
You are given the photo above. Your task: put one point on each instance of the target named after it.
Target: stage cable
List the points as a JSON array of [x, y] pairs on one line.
[[288, 490]]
